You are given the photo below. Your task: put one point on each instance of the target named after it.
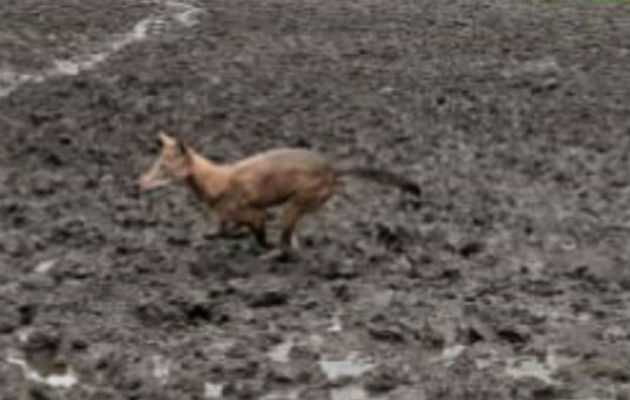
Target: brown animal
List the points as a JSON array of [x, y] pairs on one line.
[[240, 193]]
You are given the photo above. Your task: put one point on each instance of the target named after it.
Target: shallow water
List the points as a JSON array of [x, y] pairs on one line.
[[530, 366], [335, 369], [64, 380], [212, 390], [280, 352]]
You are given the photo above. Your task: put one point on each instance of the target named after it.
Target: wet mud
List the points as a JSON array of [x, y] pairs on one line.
[[507, 279]]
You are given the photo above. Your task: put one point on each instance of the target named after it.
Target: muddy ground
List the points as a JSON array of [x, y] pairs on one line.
[[508, 279]]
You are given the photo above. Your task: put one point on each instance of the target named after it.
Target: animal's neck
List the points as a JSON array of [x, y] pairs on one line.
[[205, 178]]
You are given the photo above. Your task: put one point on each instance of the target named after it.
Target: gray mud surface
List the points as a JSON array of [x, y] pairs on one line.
[[508, 279]]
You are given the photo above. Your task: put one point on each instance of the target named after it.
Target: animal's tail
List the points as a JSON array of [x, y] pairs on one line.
[[383, 177]]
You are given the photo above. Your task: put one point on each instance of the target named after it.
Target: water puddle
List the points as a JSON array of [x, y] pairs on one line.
[[486, 359], [221, 346], [212, 390], [351, 392], [23, 334], [281, 352], [541, 66], [356, 392], [44, 266], [41, 268], [186, 14], [10, 287], [57, 375], [10, 80], [348, 368], [335, 323], [293, 394], [449, 354], [531, 367], [534, 367], [161, 369], [180, 11], [558, 313]]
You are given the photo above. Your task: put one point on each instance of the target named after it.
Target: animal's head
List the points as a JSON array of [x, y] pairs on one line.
[[172, 164]]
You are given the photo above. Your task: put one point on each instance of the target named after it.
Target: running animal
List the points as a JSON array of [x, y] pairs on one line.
[[240, 193]]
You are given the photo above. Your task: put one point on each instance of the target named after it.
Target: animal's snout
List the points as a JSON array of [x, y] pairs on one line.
[[149, 181], [146, 183]]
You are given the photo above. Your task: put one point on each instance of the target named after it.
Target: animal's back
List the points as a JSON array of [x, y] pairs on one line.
[[274, 176], [295, 157]]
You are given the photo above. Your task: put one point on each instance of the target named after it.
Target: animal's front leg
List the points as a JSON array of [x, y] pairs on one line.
[[227, 229], [256, 222], [281, 254], [228, 226], [251, 217]]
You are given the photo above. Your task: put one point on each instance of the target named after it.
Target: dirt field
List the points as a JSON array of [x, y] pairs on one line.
[[508, 279]]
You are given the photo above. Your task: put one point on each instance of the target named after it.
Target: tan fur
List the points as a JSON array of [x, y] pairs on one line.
[[240, 193]]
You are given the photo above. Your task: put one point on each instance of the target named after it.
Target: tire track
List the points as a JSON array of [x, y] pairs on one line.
[[170, 13]]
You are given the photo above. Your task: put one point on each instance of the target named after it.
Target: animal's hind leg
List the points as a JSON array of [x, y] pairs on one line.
[[294, 212], [308, 202], [288, 243], [289, 221]]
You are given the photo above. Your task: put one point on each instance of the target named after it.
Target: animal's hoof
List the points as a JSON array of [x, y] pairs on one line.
[[212, 235], [221, 234], [282, 255]]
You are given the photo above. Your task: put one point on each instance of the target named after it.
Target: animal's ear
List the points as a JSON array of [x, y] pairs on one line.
[[165, 139], [184, 150]]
